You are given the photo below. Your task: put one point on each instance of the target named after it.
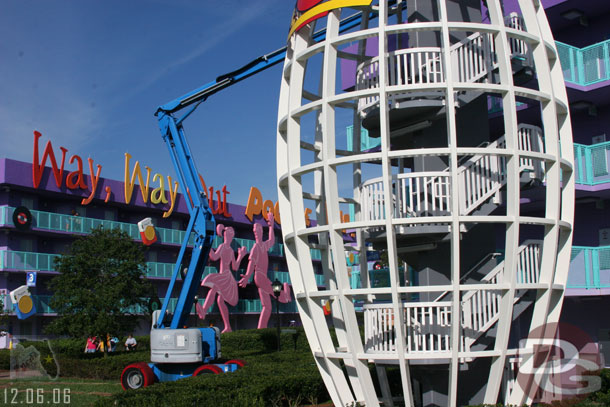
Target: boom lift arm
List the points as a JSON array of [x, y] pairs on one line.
[[177, 351], [202, 221]]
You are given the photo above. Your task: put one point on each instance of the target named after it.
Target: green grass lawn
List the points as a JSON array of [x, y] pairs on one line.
[[61, 392]]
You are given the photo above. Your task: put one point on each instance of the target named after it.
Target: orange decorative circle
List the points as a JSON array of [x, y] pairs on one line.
[[149, 232], [25, 304]]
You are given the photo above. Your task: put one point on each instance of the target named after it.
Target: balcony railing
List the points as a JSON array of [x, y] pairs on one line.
[[592, 163], [57, 222], [77, 224], [585, 66], [474, 59], [18, 260], [589, 267], [42, 306]]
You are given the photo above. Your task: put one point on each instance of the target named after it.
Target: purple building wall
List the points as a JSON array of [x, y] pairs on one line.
[[585, 126], [19, 174], [588, 220]]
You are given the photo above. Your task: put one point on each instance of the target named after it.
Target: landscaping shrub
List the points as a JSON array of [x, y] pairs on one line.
[[600, 398], [280, 378], [73, 362], [270, 378], [252, 341]]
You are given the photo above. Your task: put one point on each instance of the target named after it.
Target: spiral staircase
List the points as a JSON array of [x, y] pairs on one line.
[[481, 182]]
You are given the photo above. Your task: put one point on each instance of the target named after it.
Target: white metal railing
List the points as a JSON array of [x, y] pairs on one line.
[[474, 58], [510, 374], [531, 140], [428, 324], [411, 66], [518, 48], [480, 177], [480, 308], [476, 267], [427, 327], [413, 194]]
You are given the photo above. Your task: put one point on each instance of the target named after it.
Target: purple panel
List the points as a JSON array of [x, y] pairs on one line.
[[584, 128], [592, 188], [588, 220], [511, 6], [348, 67], [551, 3], [586, 314], [2, 170], [588, 88]]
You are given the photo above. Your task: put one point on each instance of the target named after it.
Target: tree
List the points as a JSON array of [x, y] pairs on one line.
[[100, 283], [4, 316]]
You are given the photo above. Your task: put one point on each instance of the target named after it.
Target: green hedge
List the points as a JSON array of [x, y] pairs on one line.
[[239, 344], [600, 398], [74, 362], [281, 378], [289, 377]]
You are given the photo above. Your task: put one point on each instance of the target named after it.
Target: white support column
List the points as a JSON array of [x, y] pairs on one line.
[[298, 255], [386, 168], [455, 204], [359, 375], [512, 203]]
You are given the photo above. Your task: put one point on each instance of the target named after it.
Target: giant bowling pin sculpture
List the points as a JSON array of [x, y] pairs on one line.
[[437, 124]]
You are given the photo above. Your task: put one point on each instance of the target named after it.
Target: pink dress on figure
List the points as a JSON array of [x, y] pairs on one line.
[[222, 283]]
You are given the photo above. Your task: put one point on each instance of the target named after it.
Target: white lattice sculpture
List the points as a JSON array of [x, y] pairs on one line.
[[469, 193]]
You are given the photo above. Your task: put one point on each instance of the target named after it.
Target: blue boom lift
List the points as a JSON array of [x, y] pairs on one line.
[[175, 350]]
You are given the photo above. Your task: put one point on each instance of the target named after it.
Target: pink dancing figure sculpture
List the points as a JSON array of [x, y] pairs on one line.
[[258, 264], [222, 284]]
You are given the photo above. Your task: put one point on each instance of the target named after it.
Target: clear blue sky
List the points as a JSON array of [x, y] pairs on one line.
[[89, 75]]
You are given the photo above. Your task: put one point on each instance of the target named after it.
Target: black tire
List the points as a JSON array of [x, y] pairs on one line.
[[238, 362], [133, 379], [136, 376], [22, 218], [207, 369]]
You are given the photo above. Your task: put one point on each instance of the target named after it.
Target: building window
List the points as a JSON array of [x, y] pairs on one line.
[[27, 202], [26, 245]]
